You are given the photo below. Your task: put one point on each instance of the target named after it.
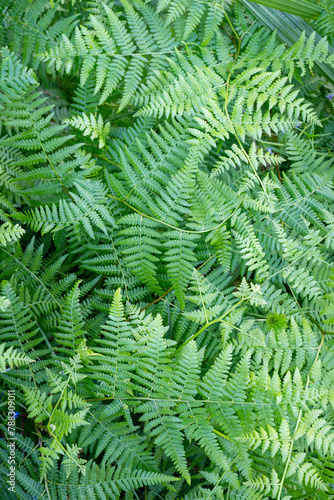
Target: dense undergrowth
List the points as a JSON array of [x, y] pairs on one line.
[[166, 250]]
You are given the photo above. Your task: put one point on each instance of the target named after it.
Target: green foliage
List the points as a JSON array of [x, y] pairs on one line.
[[297, 7], [166, 249], [12, 357], [10, 233]]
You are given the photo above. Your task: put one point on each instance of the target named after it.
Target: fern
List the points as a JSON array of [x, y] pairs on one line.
[[92, 127], [166, 250], [10, 233], [12, 357]]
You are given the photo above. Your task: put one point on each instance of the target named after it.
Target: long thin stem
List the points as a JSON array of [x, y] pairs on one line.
[[217, 320], [300, 413]]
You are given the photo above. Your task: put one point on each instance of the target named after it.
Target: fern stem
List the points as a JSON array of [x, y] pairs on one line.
[[302, 256], [221, 434], [231, 25], [217, 320], [289, 455], [47, 489], [298, 420], [32, 274], [169, 225], [30, 26], [235, 133], [105, 159], [51, 164], [60, 397], [158, 299]]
